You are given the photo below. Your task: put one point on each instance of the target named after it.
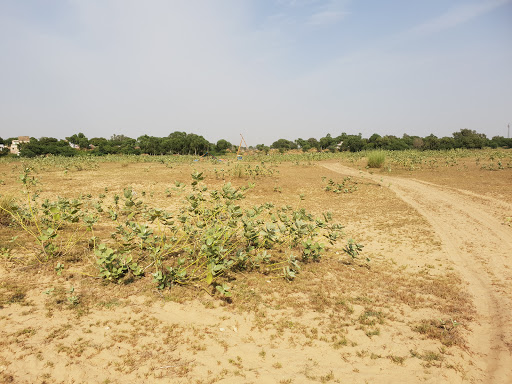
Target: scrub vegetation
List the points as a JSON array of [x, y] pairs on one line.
[[152, 267]]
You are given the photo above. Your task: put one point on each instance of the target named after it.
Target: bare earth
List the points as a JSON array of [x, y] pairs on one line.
[[481, 248], [434, 304]]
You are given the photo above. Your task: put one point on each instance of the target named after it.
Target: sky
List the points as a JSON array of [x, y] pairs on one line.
[[266, 69]]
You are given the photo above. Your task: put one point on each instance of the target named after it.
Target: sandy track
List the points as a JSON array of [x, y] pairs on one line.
[[480, 246]]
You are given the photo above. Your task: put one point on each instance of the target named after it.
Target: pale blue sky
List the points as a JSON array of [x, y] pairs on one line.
[[268, 69]]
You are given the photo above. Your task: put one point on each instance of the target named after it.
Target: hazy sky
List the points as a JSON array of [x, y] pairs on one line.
[[268, 69]]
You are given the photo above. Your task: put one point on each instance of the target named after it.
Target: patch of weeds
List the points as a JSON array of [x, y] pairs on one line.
[[17, 297], [13, 294], [370, 317], [339, 342], [202, 243], [327, 378], [431, 358], [224, 290], [345, 186], [7, 209], [361, 300], [113, 266], [345, 306], [5, 253], [110, 304], [73, 299], [353, 249], [24, 333], [372, 332], [444, 331], [59, 333], [397, 359], [320, 301], [237, 363], [376, 159], [59, 268], [61, 298], [74, 350]]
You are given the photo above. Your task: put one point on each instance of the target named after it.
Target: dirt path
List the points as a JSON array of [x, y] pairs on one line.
[[480, 246]]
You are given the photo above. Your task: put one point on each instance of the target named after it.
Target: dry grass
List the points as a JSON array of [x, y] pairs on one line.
[[7, 209], [359, 311]]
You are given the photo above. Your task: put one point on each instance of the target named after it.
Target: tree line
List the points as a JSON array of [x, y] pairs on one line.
[[465, 138], [182, 143], [179, 143]]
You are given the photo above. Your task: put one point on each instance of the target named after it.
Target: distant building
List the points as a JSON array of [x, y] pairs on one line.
[[15, 143]]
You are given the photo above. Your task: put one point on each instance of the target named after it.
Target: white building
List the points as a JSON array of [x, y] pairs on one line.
[[14, 145]]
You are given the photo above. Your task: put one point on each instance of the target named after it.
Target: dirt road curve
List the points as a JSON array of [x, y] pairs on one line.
[[475, 239]]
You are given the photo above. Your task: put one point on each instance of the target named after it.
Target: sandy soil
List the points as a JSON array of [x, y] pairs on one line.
[[440, 256], [481, 247]]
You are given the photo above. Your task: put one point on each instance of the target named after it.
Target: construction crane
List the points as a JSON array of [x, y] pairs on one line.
[[238, 155]]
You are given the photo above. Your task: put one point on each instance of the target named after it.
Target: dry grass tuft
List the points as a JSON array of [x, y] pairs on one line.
[[7, 209], [446, 331]]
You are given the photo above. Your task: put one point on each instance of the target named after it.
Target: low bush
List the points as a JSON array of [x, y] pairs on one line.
[[376, 159]]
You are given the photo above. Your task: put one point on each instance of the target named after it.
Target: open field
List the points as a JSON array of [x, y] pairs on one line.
[[428, 299]]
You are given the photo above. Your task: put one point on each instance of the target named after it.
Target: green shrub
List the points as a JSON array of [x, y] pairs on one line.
[[376, 159]]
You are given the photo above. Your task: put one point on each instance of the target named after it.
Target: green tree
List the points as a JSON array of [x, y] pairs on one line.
[[500, 141], [9, 141], [79, 139], [5, 151], [446, 143], [263, 148], [283, 144], [327, 141], [352, 143], [431, 142], [302, 144], [151, 145], [467, 138], [314, 143], [176, 142], [197, 144], [46, 146], [119, 138], [222, 146]]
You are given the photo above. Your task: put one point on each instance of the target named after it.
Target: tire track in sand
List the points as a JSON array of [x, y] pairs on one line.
[[481, 249]]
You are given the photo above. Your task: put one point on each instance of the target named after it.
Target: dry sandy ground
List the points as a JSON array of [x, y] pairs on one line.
[[437, 252], [475, 238]]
